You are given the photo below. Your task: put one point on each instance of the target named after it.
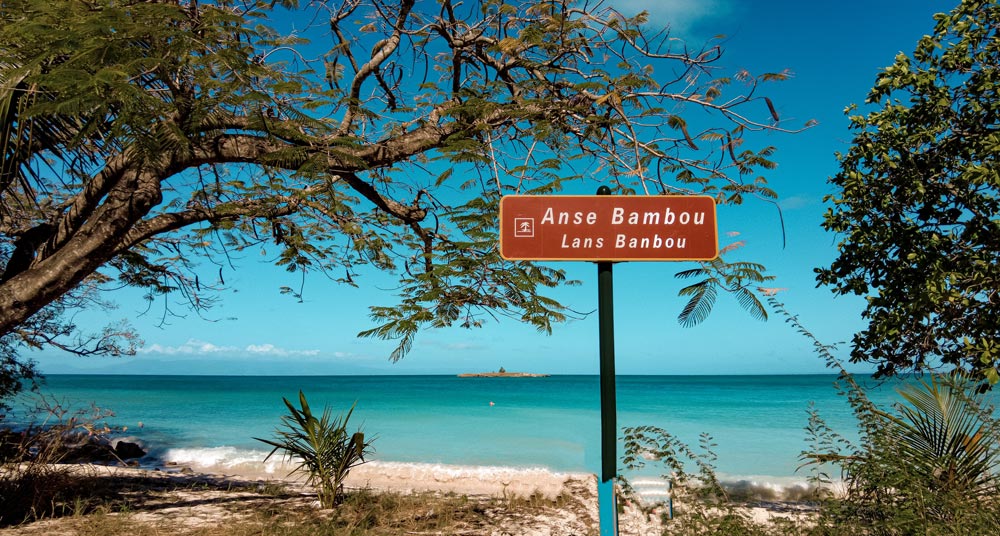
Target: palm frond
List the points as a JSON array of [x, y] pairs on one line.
[[943, 434], [321, 446]]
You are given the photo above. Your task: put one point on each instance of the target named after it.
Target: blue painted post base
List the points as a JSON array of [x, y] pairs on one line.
[[607, 505]]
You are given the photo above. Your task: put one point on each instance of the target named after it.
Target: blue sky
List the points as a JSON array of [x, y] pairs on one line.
[[834, 51]]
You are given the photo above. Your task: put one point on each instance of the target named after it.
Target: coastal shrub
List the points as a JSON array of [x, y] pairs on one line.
[[32, 483], [28, 480], [320, 447], [700, 504], [926, 466], [929, 465]]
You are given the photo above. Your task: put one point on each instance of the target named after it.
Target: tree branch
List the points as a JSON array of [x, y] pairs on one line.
[[380, 52]]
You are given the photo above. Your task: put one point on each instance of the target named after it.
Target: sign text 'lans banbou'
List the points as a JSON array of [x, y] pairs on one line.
[[608, 228]]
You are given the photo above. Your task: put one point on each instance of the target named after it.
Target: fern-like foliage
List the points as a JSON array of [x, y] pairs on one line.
[[741, 279]]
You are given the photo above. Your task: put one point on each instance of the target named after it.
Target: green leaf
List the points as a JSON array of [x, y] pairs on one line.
[[699, 306]]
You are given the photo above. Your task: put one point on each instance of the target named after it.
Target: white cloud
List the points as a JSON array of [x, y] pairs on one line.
[[270, 349], [191, 347], [197, 347]]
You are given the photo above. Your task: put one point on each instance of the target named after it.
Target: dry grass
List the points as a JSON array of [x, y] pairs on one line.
[[151, 504]]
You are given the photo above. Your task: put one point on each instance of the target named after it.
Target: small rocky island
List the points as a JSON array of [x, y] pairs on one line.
[[502, 374]]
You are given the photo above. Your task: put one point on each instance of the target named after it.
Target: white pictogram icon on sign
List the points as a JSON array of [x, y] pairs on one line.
[[524, 227]]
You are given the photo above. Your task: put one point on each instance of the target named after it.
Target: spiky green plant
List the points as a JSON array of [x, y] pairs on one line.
[[943, 433], [928, 466], [321, 447]]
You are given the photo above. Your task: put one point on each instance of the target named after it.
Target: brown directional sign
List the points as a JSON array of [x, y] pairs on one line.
[[608, 228]]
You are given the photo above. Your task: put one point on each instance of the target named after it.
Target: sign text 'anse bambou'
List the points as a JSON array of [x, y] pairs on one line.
[[608, 228]]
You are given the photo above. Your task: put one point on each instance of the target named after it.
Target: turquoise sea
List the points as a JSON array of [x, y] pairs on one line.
[[757, 422]]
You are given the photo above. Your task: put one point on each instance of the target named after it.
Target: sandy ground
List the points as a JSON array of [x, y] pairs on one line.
[[181, 498], [488, 481]]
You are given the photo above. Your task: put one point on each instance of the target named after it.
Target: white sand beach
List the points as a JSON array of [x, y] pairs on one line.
[[578, 517], [465, 480], [180, 497], [177, 496]]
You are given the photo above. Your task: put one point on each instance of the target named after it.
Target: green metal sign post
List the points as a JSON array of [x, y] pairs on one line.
[[606, 229], [607, 501]]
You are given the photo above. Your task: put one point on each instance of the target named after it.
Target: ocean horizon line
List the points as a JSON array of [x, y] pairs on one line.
[[454, 374]]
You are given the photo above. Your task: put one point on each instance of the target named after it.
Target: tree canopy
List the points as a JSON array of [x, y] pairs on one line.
[[148, 142], [917, 203]]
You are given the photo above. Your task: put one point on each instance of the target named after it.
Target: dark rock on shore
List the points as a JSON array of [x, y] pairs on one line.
[[127, 450], [96, 449]]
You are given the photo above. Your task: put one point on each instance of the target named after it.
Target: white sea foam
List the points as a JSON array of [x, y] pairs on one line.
[[761, 487], [646, 481], [765, 484], [466, 471], [388, 475], [477, 479], [222, 459]]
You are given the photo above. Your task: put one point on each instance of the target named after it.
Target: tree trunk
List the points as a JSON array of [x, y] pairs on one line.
[[87, 249]]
